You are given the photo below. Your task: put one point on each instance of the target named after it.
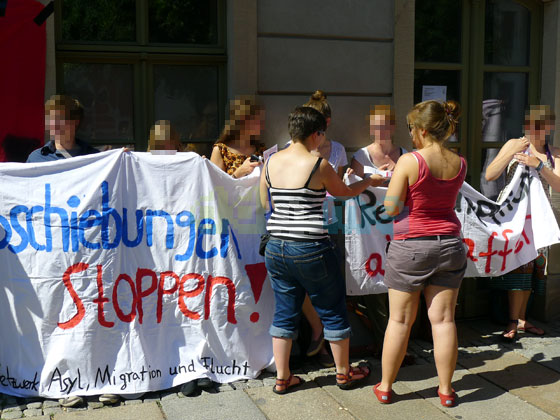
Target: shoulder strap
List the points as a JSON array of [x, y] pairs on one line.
[[313, 171], [549, 155], [423, 169]]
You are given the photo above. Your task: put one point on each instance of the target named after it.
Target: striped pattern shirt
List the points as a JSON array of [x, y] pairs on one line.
[[298, 212]]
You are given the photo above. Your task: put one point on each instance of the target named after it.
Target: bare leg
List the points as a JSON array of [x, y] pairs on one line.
[[522, 308], [441, 302], [517, 307], [313, 318], [403, 307], [340, 350], [281, 348]]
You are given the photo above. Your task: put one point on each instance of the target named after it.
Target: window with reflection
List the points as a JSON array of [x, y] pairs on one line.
[[504, 104], [507, 33], [105, 92], [133, 62], [438, 31], [188, 97]]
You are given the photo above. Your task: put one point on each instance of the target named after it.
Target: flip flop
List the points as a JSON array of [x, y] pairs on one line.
[[286, 384]]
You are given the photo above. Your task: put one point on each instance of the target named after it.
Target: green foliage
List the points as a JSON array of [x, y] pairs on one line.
[[170, 21], [183, 21], [99, 20]]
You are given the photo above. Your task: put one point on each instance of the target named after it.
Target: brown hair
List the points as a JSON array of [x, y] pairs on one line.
[[241, 109], [319, 101], [71, 107], [439, 119], [539, 113], [161, 132], [384, 110]]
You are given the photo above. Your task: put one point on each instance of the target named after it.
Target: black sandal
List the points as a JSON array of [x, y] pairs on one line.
[[347, 381], [286, 384]]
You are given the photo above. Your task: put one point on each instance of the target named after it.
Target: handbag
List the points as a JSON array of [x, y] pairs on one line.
[[265, 237]]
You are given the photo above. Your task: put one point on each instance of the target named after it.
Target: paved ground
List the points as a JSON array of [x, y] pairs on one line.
[[493, 381]]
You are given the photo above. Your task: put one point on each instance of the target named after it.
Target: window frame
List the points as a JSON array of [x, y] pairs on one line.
[[473, 68], [143, 55]]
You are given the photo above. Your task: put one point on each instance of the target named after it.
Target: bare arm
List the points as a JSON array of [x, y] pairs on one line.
[[504, 157], [340, 172], [246, 168], [216, 158], [406, 166], [552, 176], [336, 187]]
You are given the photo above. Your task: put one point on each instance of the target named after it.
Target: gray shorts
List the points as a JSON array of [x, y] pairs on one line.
[[412, 264]]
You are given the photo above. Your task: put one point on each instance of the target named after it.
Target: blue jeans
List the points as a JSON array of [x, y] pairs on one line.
[[296, 268]]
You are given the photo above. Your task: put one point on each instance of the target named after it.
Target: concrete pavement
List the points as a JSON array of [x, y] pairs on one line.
[[494, 380]]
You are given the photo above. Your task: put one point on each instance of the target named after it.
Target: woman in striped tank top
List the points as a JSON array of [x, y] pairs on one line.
[[300, 257]]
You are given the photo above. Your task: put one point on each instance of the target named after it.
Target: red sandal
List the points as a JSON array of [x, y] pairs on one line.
[[286, 384], [447, 400], [384, 397], [347, 381]]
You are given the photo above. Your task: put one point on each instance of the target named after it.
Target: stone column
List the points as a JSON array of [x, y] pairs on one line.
[[242, 47], [403, 80]]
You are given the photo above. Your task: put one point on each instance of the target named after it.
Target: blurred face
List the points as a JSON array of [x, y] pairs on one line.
[[253, 126], [163, 139], [538, 130], [58, 126], [380, 127]]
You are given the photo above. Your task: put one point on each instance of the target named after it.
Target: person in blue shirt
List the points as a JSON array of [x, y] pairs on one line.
[[63, 115]]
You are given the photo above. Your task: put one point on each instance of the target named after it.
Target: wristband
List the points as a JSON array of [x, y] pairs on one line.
[[539, 166]]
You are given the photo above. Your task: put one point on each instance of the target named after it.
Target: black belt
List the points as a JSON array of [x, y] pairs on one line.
[[432, 238]]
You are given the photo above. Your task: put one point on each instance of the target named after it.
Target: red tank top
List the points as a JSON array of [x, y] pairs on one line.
[[429, 206]]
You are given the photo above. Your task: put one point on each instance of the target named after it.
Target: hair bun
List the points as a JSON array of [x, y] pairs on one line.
[[319, 95], [453, 110]]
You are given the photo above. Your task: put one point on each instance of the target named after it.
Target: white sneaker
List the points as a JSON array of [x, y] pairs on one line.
[[109, 398], [71, 401]]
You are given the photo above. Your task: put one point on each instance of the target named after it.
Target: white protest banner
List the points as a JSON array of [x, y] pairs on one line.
[[499, 236], [367, 229], [129, 272], [504, 235]]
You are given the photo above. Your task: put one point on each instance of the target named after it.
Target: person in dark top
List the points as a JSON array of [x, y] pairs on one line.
[[63, 115]]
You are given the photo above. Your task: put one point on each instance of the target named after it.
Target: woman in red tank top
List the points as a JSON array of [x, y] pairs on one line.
[[427, 253]]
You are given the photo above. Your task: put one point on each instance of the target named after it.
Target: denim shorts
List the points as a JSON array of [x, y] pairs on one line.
[[296, 268], [413, 264]]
